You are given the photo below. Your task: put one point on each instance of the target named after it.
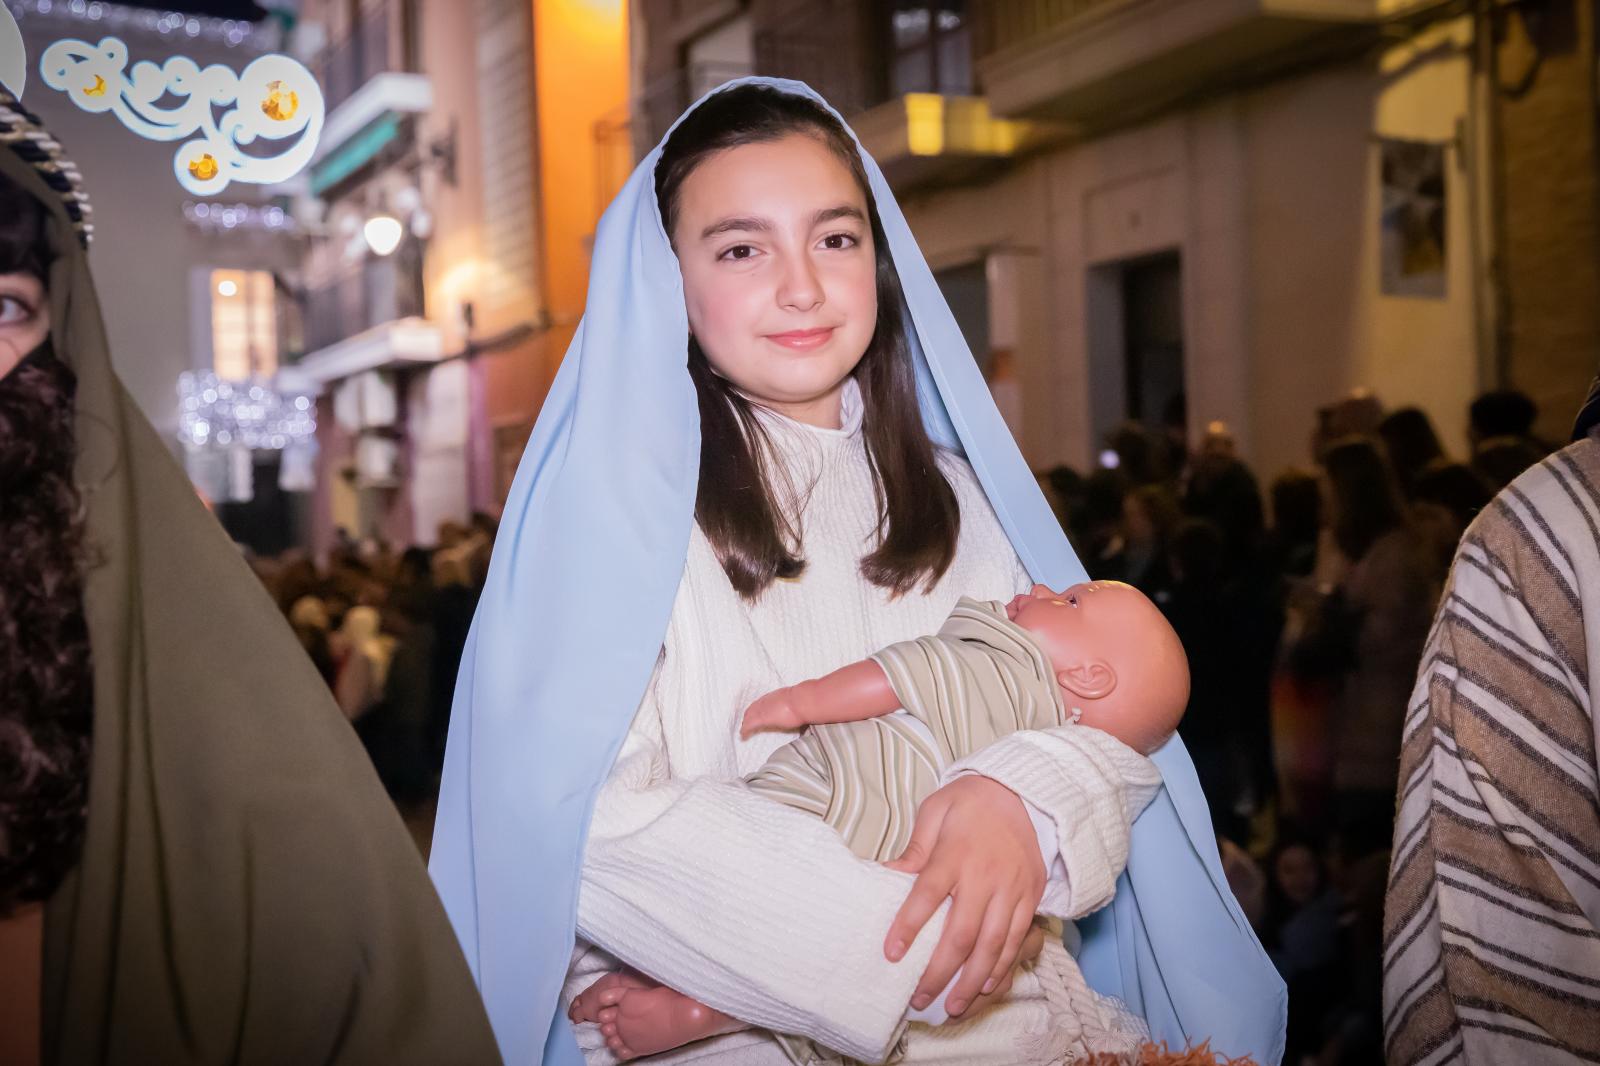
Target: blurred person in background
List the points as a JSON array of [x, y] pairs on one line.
[[1412, 445], [1302, 740], [1223, 491], [309, 619], [1213, 726], [1296, 523], [1369, 628], [1445, 501], [1150, 517], [1301, 933], [1500, 429]]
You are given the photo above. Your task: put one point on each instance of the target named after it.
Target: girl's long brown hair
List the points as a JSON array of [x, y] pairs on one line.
[[736, 506]]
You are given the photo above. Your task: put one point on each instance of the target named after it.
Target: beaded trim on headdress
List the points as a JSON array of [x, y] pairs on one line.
[[24, 134]]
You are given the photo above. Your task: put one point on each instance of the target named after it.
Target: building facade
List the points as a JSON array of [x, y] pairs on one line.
[[459, 136], [1199, 210], [188, 284]]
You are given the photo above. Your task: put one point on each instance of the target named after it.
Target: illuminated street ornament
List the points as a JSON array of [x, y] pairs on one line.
[[214, 413], [274, 98]]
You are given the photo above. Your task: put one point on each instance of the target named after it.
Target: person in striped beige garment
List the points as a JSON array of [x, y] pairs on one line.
[[1492, 917]]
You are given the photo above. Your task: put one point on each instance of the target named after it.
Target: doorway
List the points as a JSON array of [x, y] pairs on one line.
[[1136, 365]]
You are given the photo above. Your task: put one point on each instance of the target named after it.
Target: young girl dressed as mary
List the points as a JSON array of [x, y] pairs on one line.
[[768, 455]]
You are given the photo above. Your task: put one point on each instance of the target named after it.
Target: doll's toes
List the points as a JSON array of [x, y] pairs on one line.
[[608, 1015], [612, 996]]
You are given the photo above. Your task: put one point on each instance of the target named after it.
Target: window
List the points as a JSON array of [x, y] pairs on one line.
[[713, 57], [244, 327], [932, 48]]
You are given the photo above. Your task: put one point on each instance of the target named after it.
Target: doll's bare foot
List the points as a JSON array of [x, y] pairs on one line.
[[586, 1005], [644, 1021]]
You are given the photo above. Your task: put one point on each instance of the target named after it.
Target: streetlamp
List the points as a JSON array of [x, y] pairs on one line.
[[383, 233]]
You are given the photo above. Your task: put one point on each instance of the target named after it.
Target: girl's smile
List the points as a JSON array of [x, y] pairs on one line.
[[803, 340]]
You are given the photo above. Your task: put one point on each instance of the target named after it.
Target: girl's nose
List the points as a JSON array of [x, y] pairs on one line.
[[801, 290]]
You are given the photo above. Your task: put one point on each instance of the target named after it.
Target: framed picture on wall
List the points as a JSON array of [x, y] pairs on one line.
[[1412, 225]]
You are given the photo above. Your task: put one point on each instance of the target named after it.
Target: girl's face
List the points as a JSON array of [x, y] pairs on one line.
[[778, 273], [24, 318]]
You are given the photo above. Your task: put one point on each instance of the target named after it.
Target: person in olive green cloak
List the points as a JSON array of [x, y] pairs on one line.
[[197, 863]]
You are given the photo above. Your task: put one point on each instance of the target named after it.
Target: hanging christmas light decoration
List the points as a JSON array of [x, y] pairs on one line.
[[121, 18], [274, 98], [218, 217], [241, 414]]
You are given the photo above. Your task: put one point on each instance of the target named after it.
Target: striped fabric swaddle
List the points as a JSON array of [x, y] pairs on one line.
[[981, 677], [1492, 919]]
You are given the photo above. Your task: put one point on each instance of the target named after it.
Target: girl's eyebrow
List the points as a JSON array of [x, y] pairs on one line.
[[753, 224]]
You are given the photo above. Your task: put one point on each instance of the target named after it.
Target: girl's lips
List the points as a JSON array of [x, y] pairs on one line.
[[802, 339]]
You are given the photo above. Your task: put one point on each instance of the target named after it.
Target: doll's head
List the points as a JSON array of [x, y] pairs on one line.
[[1116, 658]]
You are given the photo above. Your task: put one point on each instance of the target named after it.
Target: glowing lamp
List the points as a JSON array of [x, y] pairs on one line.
[[383, 233]]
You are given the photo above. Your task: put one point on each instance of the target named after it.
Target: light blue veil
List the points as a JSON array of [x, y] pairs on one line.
[[600, 512]]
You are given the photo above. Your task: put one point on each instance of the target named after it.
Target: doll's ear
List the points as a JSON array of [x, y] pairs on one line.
[[1092, 680]]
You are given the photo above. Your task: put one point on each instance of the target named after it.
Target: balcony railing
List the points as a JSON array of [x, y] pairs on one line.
[[364, 54], [1004, 22], [378, 291]]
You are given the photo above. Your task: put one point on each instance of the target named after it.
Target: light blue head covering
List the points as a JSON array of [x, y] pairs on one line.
[[600, 512]]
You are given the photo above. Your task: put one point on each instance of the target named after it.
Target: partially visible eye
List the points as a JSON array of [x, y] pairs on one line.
[[1073, 600], [839, 241], [14, 310], [734, 253]]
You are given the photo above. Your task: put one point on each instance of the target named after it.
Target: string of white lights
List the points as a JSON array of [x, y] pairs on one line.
[[213, 217], [250, 414], [110, 17]]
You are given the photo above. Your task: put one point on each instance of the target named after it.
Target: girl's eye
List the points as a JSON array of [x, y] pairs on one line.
[[738, 252], [839, 241], [1073, 600], [13, 310]]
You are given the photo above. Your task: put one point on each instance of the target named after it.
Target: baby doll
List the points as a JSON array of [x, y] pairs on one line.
[[1098, 654]]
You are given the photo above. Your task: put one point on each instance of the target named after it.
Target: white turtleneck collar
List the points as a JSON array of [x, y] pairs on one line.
[[850, 417]]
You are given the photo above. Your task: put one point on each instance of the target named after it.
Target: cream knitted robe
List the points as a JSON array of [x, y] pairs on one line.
[[760, 910]]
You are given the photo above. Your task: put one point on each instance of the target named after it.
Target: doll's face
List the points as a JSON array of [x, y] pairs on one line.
[[1118, 661], [1072, 622], [779, 272], [24, 318]]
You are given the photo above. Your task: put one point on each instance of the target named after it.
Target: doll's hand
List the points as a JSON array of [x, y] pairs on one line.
[[973, 843], [771, 713]]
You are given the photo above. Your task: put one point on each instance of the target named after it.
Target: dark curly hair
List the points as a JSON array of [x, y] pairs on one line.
[[46, 695]]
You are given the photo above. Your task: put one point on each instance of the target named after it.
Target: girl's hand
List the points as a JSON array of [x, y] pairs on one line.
[[1032, 946], [973, 842]]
